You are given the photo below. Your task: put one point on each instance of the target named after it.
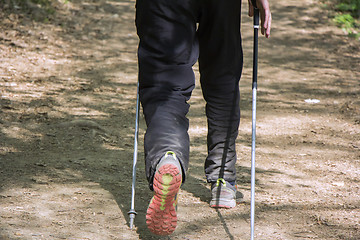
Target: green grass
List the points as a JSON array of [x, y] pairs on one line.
[[350, 6], [346, 15]]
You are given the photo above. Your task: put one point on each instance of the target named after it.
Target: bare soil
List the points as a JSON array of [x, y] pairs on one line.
[[67, 116]]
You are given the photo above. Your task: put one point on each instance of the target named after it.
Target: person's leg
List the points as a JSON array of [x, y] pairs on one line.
[[166, 54], [220, 69]]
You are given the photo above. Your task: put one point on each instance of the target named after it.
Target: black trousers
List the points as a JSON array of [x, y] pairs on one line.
[[173, 35]]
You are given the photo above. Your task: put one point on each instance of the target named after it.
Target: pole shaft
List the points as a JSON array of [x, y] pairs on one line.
[[132, 212], [254, 93]]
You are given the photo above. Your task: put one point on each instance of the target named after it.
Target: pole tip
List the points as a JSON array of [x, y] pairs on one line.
[[132, 218], [132, 214]]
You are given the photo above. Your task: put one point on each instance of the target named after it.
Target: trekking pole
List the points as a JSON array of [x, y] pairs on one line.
[[254, 92], [132, 212]]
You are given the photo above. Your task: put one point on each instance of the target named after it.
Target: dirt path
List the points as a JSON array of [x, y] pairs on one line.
[[67, 122]]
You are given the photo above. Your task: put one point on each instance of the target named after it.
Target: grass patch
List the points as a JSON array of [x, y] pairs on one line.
[[346, 15]]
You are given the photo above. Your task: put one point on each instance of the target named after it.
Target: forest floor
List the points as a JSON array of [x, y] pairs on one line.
[[67, 117]]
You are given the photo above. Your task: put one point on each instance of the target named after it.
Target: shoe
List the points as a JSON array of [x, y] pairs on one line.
[[224, 195], [161, 216]]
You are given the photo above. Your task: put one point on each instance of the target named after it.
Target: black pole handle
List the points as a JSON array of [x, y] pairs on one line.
[[255, 50], [254, 3]]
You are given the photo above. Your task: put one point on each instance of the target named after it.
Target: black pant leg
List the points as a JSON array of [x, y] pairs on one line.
[[166, 54], [220, 63]]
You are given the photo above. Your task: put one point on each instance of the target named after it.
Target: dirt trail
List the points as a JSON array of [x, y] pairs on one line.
[[67, 111]]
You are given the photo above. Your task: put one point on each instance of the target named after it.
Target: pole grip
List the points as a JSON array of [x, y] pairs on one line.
[[256, 16], [254, 3], [255, 50]]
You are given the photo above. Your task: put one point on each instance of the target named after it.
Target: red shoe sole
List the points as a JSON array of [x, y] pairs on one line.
[[161, 216]]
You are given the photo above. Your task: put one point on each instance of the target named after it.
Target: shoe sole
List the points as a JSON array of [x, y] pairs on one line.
[[161, 216], [222, 204]]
